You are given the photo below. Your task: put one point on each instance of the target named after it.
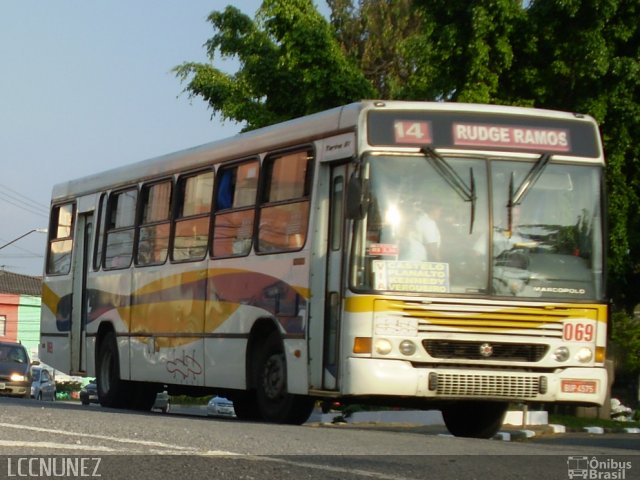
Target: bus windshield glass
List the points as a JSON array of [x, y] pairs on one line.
[[426, 234]]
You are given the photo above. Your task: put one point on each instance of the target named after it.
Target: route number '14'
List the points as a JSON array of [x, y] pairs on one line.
[[578, 332], [412, 132]]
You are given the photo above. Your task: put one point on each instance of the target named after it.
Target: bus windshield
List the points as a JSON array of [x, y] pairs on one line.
[[459, 231]]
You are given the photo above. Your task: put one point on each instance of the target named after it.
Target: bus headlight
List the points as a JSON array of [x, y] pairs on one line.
[[584, 355], [407, 347], [561, 354], [383, 346]]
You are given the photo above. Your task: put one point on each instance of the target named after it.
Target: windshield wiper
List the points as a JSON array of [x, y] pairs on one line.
[[446, 171], [515, 198]]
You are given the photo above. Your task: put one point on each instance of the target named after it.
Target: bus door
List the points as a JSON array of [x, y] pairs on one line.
[[83, 233], [334, 277]]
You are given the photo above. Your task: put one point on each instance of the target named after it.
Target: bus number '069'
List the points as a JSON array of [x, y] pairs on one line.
[[578, 332]]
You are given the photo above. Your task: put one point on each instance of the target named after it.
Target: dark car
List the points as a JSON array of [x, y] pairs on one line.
[[15, 370], [89, 393]]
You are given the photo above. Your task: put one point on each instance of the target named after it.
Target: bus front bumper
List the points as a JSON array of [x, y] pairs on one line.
[[377, 377]]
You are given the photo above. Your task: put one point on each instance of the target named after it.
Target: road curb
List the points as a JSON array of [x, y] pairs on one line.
[[419, 420]]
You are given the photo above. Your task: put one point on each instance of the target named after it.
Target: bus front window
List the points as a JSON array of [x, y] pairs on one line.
[[423, 235], [554, 245], [419, 231]]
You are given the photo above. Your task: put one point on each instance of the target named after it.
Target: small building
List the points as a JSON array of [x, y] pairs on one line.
[[20, 301]]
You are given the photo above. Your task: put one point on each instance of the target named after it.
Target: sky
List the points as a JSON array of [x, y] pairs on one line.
[[85, 86]]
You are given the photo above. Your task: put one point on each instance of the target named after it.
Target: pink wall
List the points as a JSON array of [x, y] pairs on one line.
[[9, 309]]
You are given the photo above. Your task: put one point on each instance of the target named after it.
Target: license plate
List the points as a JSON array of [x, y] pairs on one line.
[[579, 386], [2, 386]]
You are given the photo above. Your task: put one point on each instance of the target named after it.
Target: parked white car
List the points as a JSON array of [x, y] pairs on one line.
[[220, 407]]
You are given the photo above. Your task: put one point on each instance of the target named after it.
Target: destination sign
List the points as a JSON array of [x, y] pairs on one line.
[[483, 131], [409, 276], [487, 135]]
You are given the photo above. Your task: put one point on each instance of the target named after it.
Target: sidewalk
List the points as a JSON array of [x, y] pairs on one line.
[[431, 422]]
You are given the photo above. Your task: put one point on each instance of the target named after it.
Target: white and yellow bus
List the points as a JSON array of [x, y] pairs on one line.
[[437, 255]]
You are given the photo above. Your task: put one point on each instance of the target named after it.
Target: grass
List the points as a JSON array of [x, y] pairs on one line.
[[187, 400], [578, 423]]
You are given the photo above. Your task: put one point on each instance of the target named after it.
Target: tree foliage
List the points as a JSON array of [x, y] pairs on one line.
[[625, 338], [572, 55], [374, 35], [464, 49], [290, 65], [585, 57]]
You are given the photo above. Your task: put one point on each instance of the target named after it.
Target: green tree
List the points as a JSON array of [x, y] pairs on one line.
[[568, 55], [374, 34], [625, 338], [290, 65], [585, 57], [463, 51], [571, 55]]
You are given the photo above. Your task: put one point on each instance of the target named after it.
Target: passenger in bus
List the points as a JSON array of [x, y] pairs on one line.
[[225, 190], [422, 238]]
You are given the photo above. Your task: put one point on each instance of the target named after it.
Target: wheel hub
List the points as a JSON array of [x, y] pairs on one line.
[[274, 377]]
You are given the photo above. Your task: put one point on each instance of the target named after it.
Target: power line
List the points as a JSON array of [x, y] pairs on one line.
[[18, 203], [30, 255], [18, 247], [26, 199]]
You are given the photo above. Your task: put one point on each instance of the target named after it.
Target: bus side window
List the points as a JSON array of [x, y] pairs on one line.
[[284, 213], [191, 232], [102, 215], [153, 232], [60, 239], [235, 209], [121, 215]]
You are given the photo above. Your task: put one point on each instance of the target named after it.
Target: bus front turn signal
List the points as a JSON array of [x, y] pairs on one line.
[[362, 345]]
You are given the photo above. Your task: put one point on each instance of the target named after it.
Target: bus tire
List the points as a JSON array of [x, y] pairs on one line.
[[112, 390], [246, 406], [143, 396], [275, 403], [481, 419]]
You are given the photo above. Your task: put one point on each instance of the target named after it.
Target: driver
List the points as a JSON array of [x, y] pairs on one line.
[[422, 242]]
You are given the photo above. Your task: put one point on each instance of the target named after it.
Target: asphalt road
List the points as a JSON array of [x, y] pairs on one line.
[[90, 441]]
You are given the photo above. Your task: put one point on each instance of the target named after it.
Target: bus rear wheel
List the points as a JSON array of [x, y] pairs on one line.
[[274, 401], [112, 390], [480, 419]]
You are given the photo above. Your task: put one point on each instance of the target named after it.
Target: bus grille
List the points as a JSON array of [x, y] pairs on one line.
[[473, 385], [516, 352], [532, 320]]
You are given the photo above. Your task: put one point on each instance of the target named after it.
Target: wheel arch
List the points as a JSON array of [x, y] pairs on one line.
[[260, 330], [104, 328]]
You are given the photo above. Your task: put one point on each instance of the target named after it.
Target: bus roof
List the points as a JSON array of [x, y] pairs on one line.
[[288, 133]]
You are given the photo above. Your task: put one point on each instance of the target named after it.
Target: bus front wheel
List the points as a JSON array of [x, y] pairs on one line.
[[245, 405], [274, 401], [474, 419]]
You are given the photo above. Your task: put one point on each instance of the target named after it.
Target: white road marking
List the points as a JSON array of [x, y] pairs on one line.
[[134, 441], [56, 446], [160, 448]]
